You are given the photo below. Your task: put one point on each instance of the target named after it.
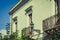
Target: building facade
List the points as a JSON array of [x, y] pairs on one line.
[[33, 15]]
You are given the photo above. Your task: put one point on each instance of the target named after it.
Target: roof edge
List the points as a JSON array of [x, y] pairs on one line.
[[17, 6]]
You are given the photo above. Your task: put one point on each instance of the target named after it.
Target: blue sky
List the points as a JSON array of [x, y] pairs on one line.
[[5, 6]]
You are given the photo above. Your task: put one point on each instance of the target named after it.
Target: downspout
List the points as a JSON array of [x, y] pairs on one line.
[[56, 11]]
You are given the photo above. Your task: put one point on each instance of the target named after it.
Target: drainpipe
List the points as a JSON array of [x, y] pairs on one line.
[[57, 5]]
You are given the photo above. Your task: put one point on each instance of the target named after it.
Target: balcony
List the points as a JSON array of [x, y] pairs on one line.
[[50, 23]]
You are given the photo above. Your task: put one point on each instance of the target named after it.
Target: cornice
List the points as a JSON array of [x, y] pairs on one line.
[[17, 6]]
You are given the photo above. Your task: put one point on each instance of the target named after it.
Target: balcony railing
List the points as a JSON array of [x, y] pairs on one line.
[[50, 22]]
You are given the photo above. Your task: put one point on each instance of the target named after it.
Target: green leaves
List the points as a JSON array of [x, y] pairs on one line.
[[55, 35], [24, 37]]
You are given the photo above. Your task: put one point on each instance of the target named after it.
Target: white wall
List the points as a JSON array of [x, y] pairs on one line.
[[42, 9]]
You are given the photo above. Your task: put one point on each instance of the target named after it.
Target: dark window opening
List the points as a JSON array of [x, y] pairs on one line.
[[30, 18]]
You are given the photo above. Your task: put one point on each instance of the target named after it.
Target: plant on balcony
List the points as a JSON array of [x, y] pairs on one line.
[[55, 36], [24, 37]]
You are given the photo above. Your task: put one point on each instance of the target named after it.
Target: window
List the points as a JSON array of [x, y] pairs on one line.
[[29, 29], [15, 24], [30, 18], [29, 14]]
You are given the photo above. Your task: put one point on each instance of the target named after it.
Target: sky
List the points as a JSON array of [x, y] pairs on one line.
[[5, 6]]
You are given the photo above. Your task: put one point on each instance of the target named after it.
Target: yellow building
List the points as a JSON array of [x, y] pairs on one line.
[[32, 14]]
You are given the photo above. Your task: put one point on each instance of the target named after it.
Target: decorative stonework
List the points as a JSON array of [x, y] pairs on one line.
[[19, 5]]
